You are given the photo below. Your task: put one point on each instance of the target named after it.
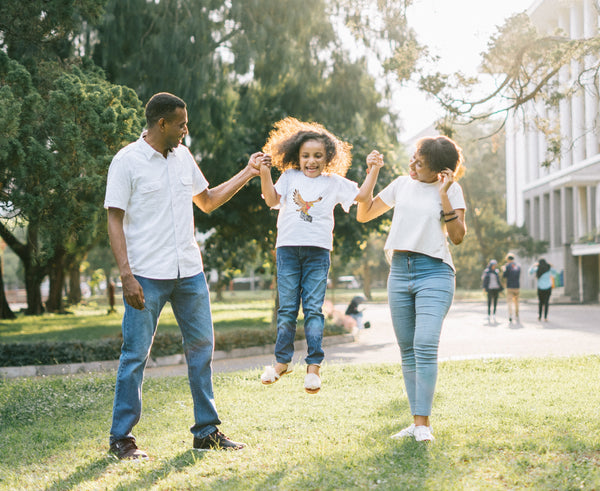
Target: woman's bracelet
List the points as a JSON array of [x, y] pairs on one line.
[[449, 214], [450, 219]]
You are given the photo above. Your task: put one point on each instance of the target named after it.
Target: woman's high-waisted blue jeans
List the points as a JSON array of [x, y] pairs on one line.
[[301, 274], [420, 292], [190, 301]]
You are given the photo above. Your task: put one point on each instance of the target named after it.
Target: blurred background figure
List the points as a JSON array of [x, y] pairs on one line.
[[545, 281], [511, 272], [355, 310], [491, 284]]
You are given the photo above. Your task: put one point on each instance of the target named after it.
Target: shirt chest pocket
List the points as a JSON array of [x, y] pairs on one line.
[[149, 194]]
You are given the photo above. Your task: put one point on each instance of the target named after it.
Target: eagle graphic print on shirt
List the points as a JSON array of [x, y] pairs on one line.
[[304, 205]]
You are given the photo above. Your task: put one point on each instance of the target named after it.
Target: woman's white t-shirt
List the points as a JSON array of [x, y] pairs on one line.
[[306, 207], [417, 225]]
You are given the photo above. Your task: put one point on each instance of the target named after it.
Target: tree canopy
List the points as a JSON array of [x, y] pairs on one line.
[[62, 122]]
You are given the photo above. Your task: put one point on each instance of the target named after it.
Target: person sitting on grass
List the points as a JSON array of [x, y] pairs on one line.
[[313, 163]]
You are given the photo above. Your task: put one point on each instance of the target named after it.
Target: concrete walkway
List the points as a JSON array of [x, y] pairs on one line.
[[571, 330]]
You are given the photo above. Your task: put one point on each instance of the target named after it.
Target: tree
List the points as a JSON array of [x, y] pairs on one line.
[[524, 65], [484, 185], [242, 66], [67, 122]]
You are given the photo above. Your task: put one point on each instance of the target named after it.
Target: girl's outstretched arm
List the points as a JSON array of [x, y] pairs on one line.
[[374, 163], [369, 208], [266, 182]]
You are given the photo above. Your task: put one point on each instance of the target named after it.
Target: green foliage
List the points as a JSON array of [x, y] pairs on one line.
[[524, 63], [241, 67], [165, 344], [488, 234], [63, 123]]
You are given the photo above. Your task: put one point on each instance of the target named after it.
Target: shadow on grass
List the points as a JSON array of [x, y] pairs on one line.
[[90, 472], [152, 476], [87, 475]]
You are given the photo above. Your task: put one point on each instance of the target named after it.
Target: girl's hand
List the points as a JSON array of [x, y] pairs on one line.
[[446, 179], [374, 159], [254, 162], [265, 161]]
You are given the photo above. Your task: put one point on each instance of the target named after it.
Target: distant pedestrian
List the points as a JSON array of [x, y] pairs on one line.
[[491, 284], [511, 272], [429, 211], [313, 163], [544, 278]]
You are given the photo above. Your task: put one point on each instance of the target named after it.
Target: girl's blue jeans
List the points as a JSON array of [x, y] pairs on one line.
[[190, 301], [420, 292], [301, 275]]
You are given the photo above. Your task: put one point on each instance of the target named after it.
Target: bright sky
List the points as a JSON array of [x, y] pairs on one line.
[[457, 31]]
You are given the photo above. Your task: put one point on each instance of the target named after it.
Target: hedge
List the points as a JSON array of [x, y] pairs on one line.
[[165, 344]]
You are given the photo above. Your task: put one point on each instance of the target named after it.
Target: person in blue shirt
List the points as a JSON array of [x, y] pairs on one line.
[[544, 275]]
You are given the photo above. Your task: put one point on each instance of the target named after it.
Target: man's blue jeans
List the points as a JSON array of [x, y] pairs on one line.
[[301, 274], [420, 292], [190, 301]]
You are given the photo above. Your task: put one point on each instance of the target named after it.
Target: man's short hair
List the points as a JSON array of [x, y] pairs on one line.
[[510, 257], [162, 105]]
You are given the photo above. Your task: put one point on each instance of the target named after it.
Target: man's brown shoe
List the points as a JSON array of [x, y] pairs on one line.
[[216, 441], [127, 449]]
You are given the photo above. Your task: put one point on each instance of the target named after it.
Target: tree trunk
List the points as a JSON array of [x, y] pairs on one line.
[[367, 277], [74, 296], [57, 283], [34, 273], [5, 312]]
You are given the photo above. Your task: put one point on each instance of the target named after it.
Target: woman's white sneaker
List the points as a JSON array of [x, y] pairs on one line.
[[406, 432], [423, 434]]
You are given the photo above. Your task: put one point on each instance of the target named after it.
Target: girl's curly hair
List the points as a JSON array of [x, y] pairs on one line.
[[290, 134]]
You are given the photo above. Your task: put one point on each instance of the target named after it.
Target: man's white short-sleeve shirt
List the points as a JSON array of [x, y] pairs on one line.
[[156, 194], [306, 207], [417, 225]]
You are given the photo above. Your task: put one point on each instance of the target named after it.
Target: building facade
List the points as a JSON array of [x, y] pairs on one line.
[[560, 203]]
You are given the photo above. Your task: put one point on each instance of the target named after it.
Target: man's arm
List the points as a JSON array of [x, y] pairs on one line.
[[210, 199], [132, 290]]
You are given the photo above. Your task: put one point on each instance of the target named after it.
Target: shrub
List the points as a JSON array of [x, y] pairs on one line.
[[165, 344]]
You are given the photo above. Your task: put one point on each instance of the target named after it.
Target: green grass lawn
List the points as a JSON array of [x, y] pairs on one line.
[[499, 424]]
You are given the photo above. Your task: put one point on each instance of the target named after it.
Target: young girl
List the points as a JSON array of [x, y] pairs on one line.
[[313, 163], [429, 208]]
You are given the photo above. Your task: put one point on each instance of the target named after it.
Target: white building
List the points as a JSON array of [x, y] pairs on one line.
[[560, 203]]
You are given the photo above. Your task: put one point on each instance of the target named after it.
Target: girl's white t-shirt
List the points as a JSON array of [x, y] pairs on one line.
[[417, 225], [306, 207]]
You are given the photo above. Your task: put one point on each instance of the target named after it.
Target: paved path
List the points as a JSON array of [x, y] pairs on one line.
[[571, 330]]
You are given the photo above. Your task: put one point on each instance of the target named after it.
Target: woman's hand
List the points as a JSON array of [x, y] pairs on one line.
[[446, 180], [374, 159]]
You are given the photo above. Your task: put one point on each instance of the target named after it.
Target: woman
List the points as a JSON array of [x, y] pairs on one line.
[[428, 207], [491, 284], [544, 273]]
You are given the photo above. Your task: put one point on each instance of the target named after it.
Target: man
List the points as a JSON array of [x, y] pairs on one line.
[[511, 272], [151, 188]]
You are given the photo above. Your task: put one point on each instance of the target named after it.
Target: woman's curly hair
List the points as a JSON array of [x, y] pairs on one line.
[[290, 134], [440, 152]]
